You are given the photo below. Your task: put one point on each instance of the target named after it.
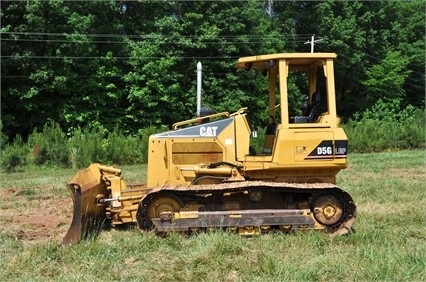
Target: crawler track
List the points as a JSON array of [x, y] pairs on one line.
[[246, 206]]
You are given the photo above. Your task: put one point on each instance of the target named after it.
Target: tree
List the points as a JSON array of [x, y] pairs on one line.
[[57, 67], [364, 34], [386, 80], [133, 63], [163, 65]]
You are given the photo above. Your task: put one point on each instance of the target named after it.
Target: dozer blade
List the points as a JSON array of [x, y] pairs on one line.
[[87, 187]]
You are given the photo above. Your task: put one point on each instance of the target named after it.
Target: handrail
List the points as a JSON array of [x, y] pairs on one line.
[[240, 111], [198, 119]]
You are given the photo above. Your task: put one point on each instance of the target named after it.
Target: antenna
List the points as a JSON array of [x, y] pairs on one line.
[[313, 41]]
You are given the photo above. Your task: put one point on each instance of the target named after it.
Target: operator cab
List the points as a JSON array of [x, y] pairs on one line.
[[301, 91]]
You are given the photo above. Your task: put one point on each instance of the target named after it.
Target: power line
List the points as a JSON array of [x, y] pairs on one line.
[[229, 39], [203, 41], [121, 57], [142, 1], [144, 36]]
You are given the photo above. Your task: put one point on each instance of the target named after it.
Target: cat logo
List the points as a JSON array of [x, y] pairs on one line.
[[208, 131]]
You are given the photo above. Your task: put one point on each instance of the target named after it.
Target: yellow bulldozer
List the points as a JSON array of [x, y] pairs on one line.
[[204, 174]]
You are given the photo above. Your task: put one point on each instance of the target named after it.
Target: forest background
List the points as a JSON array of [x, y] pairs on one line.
[[85, 81]]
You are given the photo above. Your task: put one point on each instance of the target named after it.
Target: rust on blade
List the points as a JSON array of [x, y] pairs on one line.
[[86, 188]]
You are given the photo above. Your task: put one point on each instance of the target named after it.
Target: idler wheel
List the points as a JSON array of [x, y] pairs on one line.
[[163, 203], [328, 209]]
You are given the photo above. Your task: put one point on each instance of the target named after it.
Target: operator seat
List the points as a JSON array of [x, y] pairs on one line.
[[312, 112]]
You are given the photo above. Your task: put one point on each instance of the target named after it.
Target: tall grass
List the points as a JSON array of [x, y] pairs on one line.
[[51, 147], [387, 126], [388, 245], [15, 155]]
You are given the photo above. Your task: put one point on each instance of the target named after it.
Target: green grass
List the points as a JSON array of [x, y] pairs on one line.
[[389, 243]]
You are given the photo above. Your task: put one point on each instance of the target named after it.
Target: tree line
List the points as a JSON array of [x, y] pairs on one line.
[[132, 64]]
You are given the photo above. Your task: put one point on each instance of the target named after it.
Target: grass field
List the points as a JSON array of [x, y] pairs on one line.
[[389, 243]]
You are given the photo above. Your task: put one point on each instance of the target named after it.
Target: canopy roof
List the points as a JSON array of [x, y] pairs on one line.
[[264, 62]]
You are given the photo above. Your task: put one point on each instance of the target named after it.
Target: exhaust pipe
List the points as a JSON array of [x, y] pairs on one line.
[[199, 73]]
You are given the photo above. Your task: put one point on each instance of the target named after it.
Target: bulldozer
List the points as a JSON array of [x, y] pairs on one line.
[[203, 174]]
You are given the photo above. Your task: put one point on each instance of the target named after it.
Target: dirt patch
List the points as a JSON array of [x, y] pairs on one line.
[[38, 227], [34, 219], [9, 192]]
